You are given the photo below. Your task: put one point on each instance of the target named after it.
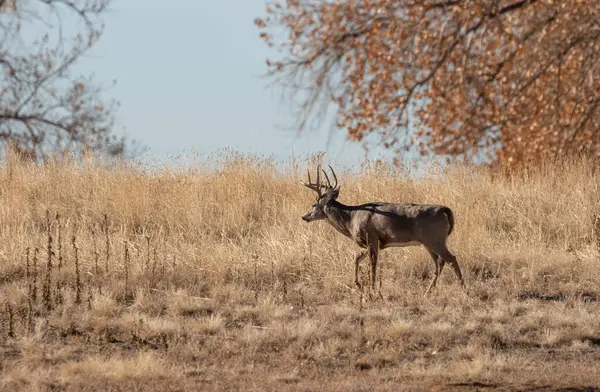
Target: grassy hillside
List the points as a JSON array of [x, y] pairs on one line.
[[206, 279]]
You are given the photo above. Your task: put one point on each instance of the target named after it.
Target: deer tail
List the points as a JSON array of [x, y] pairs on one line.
[[450, 216]]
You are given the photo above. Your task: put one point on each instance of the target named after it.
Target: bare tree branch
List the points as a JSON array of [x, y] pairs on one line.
[[44, 108]]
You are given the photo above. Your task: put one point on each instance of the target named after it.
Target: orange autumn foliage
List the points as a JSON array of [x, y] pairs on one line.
[[504, 81]]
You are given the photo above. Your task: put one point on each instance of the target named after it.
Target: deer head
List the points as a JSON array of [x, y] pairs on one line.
[[326, 194]]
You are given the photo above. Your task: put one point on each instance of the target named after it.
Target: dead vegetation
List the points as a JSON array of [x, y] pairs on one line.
[[124, 278]]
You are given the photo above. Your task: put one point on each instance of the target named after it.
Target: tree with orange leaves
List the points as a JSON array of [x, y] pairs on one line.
[[44, 108], [504, 81]]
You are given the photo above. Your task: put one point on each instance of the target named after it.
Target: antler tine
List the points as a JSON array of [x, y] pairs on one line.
[[314, 186], [334, 176], [327, 177]]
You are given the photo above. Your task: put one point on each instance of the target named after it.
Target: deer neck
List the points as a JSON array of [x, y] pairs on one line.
[[339, 216]]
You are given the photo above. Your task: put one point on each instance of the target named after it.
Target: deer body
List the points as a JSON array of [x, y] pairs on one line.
[[376, 226], [393, 225]]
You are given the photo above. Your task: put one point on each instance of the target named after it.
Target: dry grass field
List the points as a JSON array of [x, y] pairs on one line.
[[125, 279]]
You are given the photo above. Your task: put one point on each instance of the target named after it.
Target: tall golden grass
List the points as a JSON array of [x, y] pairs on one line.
[[204, 277]]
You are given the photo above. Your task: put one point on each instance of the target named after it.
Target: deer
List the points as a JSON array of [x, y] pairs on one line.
[[377, 226]]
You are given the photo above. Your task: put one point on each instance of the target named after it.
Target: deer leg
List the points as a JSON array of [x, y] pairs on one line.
[[439, 264], [442, 263], [450, 258], [373, 254], [359, 258]]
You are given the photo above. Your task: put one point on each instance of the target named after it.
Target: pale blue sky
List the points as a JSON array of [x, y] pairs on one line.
[[189, 76]]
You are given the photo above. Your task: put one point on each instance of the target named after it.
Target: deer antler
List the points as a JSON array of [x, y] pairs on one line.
[[317, 187], [314, 186], [328, 182], [327, 177], [334, 176]]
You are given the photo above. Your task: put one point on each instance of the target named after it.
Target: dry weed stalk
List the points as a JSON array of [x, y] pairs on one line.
[[596, 230], [147, 267], [59, 242], [256, 284], [96, 260], [30, 287], [106, 233], [10, 314], [126, 264], [164, 263], [77, 272], [30, 298], [273, 275], [27, 270], [29, 321], [96, 253], [58, 289], [34, 287], [58, 297], [47, 287], [154, 262], [89, 296], [302, 303]]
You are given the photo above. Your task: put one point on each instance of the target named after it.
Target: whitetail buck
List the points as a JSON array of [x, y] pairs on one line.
[[375, 226]]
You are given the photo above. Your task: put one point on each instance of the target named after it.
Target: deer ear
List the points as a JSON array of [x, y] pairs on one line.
[[332, 194]]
